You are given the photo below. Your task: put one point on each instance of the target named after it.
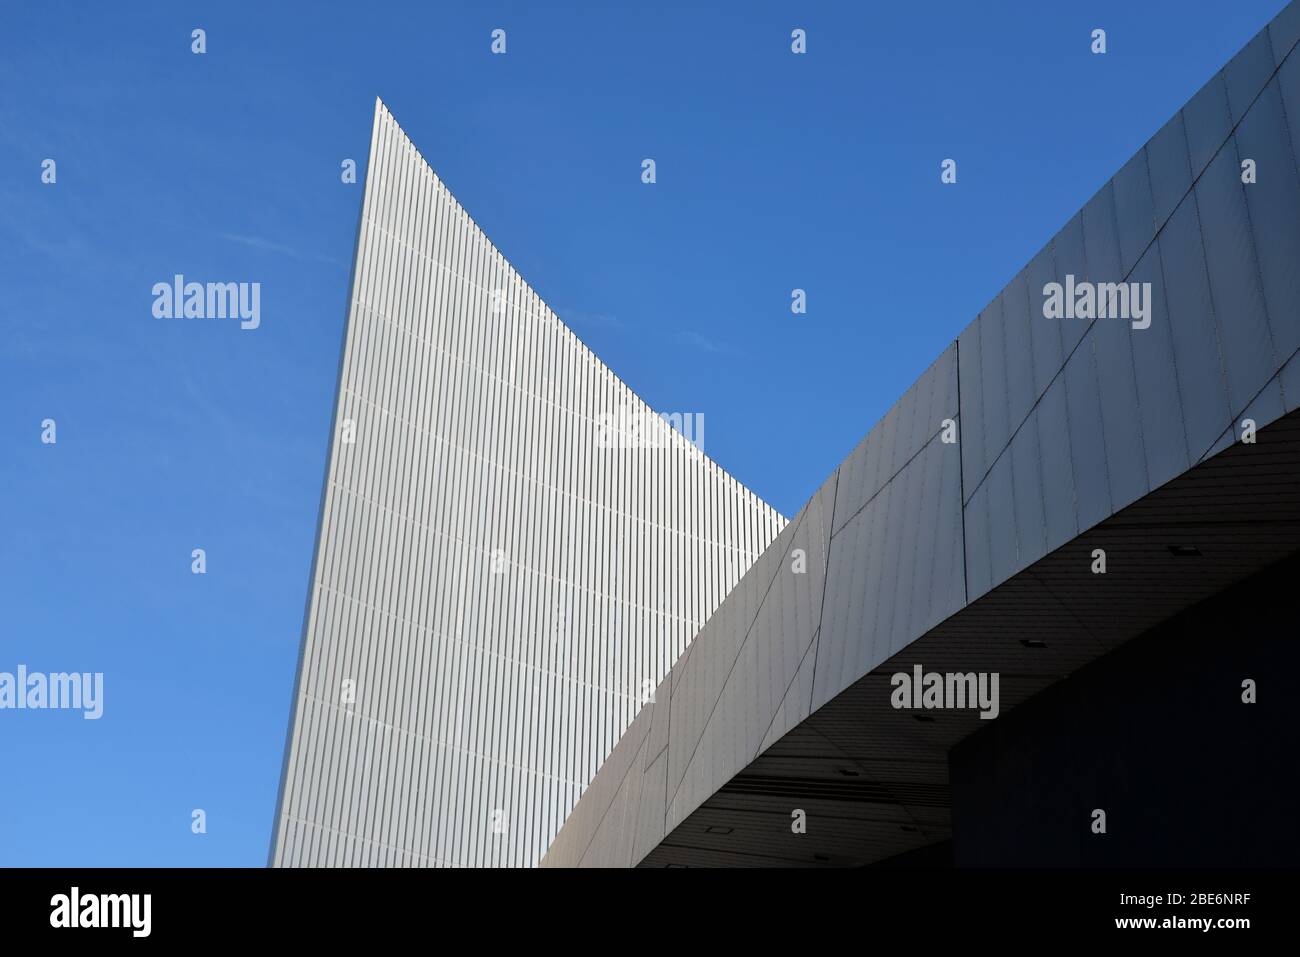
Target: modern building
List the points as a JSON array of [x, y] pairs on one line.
[[535, 604], [1103, 513], [512, 551]]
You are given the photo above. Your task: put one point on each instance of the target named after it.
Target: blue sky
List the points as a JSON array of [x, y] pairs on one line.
[[775, 171]]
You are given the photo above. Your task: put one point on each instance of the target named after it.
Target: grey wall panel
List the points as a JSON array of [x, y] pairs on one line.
[[650, 809], [1169, 168], [1284, 31], [1027, 495], [659, 709], [611, 846], [702, 678], [796, 700], [1071, 260], [739, 723], [1087, 440], [1273, 205], [1195, 336], [993, 373], [1100, 241], [1112, 343], [852, 637], [1134, 210], [1052, 421], [942, 590], [859, 625], [917, 582], [949, 592], [1206, 122], [1045, 334], [1159, 391], [466, 666], [1247, 72], [1289, 378], [884, 584], [1225, 439], [600, 795], [844, 596], [1245, 341], [971, 383], [979, 545], [903, 431], [1003, 550], [1019, 349]]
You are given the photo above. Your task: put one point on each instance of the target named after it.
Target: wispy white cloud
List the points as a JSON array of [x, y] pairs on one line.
[[693, 339], [593, 320], [266, 245]]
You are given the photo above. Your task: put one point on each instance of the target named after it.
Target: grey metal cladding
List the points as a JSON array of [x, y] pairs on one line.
[[795, 702], [725, 720], [971, 386], [949, 577], [1245, 341], [481, 628], [899, 435], [1044, 334], [611, 796], [1206, 123], [1112, 343], [939, 586], [1135, 216], [1071, 260], [1159, 389], [979, 543], [1273, 204], [1003, 550], [1087, 440], [1224, 440], [993, 373], [917, 582], [1247, 72], [1169, 167], [1017, 326], [1100, 242], [1192, 325], [1284, 31], [1027, 495], [650, 809], [659, 710]]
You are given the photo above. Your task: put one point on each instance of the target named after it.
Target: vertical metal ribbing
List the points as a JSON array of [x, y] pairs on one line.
[[475, 437]]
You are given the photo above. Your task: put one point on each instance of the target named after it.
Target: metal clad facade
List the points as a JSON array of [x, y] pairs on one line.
[[500, 578]]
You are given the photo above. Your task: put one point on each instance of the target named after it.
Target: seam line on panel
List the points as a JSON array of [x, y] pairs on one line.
[[758, 611], [1154, 238]]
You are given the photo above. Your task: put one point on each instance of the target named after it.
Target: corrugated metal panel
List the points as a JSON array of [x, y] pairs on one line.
[[483, 572]]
